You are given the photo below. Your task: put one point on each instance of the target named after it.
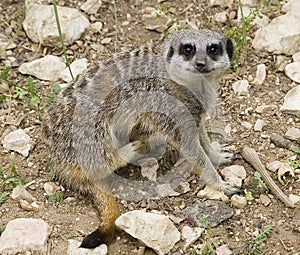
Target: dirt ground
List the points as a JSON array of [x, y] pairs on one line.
[[75, 217]]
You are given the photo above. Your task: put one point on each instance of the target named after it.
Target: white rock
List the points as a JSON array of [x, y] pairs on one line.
[[190, 235], [91, 6], [51, 188], [223, 250], [96, 27], [241, 87], [149, 167], [165, 190], [40, 24], [261, 73], [238, 201], [246, 124], [46, 68], [264, 199], [73, 249], [296, 57], [291, 102], [292, 6], [19, 193], [213, 194], [292, 71], [263, 108], [274, 165], [155, 231], [221, 17], [234, 174], [259, 124], [21, 235], [292, 134], [78, 67], [279, 36], [294, 198], [17, 141], [222, 3], [106, 40]]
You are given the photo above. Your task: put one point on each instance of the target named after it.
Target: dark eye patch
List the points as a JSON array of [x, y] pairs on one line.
[[187, 50], [214, 50]]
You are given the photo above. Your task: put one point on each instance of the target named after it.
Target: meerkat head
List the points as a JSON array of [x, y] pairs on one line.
[[193, 55]]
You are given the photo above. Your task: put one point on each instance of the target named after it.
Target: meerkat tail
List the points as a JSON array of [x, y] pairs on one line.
[[108, 211]]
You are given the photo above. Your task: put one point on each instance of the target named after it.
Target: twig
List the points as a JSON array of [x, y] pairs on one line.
[[252, 158]]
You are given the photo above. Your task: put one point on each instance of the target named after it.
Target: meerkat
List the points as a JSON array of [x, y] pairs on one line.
[[134, 105]]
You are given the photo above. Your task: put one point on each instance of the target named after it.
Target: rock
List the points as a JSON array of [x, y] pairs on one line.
[[40, 25], [74, 249], [234, 174], [190, 235], [264, 199], [291, 102], [292, 71], [260, 74], [259, 124], [155, 231], [78, 67], [221, 17], [279, 36], [19, 193], [294, 198], [91, 6], [157, 24], [51, 188], [296, 57], [106, 40], [211, 193], [281, 62], [246, 125], [238, 201], [96, 27], [149, 167], [263, 108], [223, 250], [241, 87], [21, 235], [209, 212], [273, 166], [292, 134], [222, 3], [30, 207], [47, 68], [4, 42], [165, 190], [17, 141]]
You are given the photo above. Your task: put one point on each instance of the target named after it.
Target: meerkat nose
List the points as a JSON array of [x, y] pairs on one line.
[[201, 67]]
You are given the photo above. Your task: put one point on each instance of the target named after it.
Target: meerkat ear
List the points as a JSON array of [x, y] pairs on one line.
[[170, 53], [229, 47]]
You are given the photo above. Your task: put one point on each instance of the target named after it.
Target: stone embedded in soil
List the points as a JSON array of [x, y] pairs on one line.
[[234, 174], [91, 6], [190, 235], [155, 231], [279, 36], [291, 102], [149, 167], [294, 198], [238, 201], [261, 73], [40, 24], [47, 68], [17, 141], [73, 249], [274, 165], [292, 71], [264, 199], [292, 134], [24, 235], [78, 67], [241, 87], [50, 188], [4, 42], [259, 124], [223, 250], [221, 17], [211, 193], [19, 193], [209, 212]]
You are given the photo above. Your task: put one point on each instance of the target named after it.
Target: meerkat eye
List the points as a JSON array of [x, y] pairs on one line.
[[187, 49], [213, 49]]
